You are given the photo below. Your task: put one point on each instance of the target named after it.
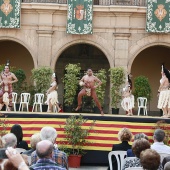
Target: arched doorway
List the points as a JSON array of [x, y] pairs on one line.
[[88, 56], [18, 55], [148, 63]]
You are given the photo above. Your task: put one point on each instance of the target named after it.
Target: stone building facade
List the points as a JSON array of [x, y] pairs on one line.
[[119, 39]]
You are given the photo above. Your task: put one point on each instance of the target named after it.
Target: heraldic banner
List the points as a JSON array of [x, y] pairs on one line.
[[80, 16], [10, 13], [158, 16]]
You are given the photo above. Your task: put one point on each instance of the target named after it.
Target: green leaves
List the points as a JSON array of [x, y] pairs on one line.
[[42, 78], [71, 79], [76, 134], [117, 79], [142, 88]]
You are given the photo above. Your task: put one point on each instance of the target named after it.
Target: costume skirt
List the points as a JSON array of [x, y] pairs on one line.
[[128, 103], [52, 98], [164, 99]]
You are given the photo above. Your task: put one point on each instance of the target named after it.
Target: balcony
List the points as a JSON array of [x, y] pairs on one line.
[[96, 2]]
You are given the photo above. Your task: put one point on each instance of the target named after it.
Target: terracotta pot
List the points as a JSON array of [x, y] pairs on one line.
[[74, 161]]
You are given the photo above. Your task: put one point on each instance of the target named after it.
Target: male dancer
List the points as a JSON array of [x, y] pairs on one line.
[[89, 85], [6, 80]]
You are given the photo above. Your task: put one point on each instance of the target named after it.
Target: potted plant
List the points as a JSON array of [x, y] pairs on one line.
[[70, 80], [142, 88], [117, 79], [76, 137], [100, 91], [42, 79]]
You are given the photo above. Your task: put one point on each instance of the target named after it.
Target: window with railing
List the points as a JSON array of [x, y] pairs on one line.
[[96, 2]]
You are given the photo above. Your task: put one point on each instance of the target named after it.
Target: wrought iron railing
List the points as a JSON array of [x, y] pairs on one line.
[[96, 2]]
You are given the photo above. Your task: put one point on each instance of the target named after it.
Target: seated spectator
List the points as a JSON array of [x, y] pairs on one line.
[[16, 159], [165, 160], [150, 159], [49, 133], [33, 142], [167, 166], [124, 136], [17, 131], [158, 145], [44, 151], [9, 140], [137, 147], [137, 136]]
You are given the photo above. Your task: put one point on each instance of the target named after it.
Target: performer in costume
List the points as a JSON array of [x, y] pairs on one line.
[[164, 92], [7, 79], [128, 99], [52, 95], [89, 85]]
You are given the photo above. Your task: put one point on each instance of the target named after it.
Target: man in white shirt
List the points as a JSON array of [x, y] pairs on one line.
[[158, 144]]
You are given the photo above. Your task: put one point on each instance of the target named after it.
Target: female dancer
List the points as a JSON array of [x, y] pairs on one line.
[[164, 92], [52, 95], [128, 99]]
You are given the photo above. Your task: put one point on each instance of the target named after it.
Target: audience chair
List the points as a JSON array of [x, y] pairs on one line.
[[120, 157], [25, 98], [14, 100], [38, 100], [142, 103]]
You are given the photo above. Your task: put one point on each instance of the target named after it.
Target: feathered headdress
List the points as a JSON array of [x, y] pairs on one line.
[[7, 63]]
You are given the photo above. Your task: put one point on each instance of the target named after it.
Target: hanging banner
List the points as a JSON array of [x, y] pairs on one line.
[[10, 13], [158, 16], [80, 17]]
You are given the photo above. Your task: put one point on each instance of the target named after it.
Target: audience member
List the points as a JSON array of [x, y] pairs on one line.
[[16, 159], [137, 136], [124, 136], [150, 159], [158, 145], [167, 166], [9, 140], [49, 133], [33, 142], [17, 131], [137, 147], [44, 151], [165, 160]]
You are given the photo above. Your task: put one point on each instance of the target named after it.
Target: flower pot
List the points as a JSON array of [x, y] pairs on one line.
[[115, 110], [74, 161]]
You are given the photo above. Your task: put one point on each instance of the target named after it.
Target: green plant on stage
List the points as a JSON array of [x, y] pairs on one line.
[[42, 78], [100, 91], [142, 88], [70, 80], [165, 127], [117, 79], [76, 134]]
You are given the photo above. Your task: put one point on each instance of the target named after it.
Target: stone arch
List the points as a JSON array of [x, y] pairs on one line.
[[94, 40], [8, 38], [152, 40]]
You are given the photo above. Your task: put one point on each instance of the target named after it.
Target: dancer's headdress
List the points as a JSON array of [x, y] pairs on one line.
[[7, 63], [54, 75]]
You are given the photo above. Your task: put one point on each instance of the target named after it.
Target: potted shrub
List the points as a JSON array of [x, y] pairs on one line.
[[42, 79], [75, 138], [100, 91], [70, 80], [142, 88], [117, 79]]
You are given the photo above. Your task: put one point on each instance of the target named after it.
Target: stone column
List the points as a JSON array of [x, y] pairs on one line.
[[45, 31]]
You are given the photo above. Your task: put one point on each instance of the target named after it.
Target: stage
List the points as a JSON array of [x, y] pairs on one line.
[[103, 136]]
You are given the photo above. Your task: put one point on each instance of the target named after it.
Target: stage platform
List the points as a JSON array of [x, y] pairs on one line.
[[102, 137]]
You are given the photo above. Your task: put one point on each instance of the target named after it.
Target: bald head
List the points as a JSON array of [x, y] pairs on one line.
[[44, 149]]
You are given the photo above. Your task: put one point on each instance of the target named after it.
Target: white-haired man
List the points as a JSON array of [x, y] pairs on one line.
[[49, 133], [9, 140]]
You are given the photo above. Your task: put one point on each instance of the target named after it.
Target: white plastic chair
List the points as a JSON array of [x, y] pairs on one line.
[[120, 156], [38, 100], [14, 100], [25, 98], [142, 103]]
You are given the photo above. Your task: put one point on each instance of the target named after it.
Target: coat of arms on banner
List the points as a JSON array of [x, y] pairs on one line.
[[80, 15], [10, 13], [158, 16]]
